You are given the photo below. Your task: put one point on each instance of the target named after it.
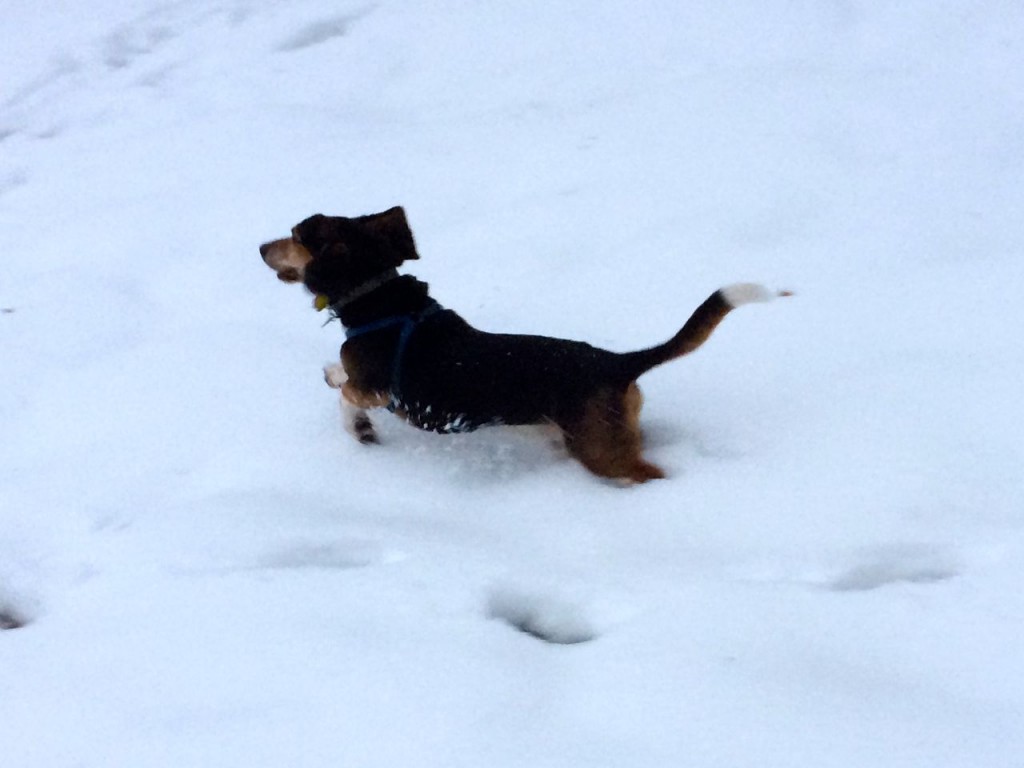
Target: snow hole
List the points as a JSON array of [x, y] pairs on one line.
[[548, 618]]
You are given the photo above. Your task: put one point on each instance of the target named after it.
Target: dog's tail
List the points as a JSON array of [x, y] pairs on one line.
[[698, 328]]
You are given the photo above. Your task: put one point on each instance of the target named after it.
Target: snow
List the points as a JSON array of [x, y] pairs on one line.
[[199, 566]]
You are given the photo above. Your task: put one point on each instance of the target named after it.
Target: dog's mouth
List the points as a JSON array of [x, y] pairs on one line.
[[286, 257]]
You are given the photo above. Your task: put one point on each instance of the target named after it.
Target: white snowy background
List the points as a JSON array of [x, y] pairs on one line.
[[209, 572]]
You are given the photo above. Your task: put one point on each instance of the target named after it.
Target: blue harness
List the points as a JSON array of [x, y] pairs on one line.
[[408, 324]]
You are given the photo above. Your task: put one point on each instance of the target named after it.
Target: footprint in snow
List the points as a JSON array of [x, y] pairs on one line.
[[10, 620], [896, 564], [546, 617], [12, 180], [320, 32], [12, 615], [131, 42], [341, 554]]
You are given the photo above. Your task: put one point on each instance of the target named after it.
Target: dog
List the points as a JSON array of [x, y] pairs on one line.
[[406, 353]]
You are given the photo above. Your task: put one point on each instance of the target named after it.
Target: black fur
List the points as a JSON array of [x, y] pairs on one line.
[[442, 374], [454, 377]]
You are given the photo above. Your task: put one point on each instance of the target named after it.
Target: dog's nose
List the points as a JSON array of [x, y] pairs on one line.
[[263, 250]]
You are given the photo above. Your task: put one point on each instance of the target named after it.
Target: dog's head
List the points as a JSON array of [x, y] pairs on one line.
[[331, 255]]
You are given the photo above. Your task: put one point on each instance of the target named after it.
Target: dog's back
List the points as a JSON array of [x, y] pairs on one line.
[[470, 378], [433, 368]]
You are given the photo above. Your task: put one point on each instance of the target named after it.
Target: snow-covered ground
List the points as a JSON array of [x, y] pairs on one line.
[[209, 572]]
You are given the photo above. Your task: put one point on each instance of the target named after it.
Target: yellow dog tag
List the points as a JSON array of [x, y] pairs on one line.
[[321, 302]]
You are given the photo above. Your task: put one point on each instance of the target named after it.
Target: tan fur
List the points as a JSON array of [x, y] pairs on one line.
[[288, 258], [587, 395], [335, 375], [363, 399], [355, 419], [607, 438]]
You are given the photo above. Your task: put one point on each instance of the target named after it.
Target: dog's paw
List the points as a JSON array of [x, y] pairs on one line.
[[335, 375], [359, 424]]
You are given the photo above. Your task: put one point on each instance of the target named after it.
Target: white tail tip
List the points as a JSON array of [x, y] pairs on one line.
[[738, 294]]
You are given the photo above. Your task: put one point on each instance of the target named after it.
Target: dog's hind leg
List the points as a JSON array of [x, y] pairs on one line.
[[356, 420], [640, 470], [606, 437]]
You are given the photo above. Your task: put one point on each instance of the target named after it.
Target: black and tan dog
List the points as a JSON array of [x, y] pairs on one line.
[[405, 353]]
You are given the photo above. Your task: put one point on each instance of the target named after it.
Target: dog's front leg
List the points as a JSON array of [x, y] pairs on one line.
[[356, 419]]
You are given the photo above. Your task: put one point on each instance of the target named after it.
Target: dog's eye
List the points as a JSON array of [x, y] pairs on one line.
[[295, 235]]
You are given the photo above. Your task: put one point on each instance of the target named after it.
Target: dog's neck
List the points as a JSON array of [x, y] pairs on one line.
[[398, 295], [361, 290]]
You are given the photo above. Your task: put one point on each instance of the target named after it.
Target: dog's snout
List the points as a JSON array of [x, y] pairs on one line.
[[286, 258]]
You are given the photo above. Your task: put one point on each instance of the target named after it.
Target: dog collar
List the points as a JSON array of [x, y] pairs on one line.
[[323, 302]]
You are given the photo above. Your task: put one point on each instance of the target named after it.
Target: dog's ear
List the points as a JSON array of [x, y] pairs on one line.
[[308, 229], [392, 227]]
